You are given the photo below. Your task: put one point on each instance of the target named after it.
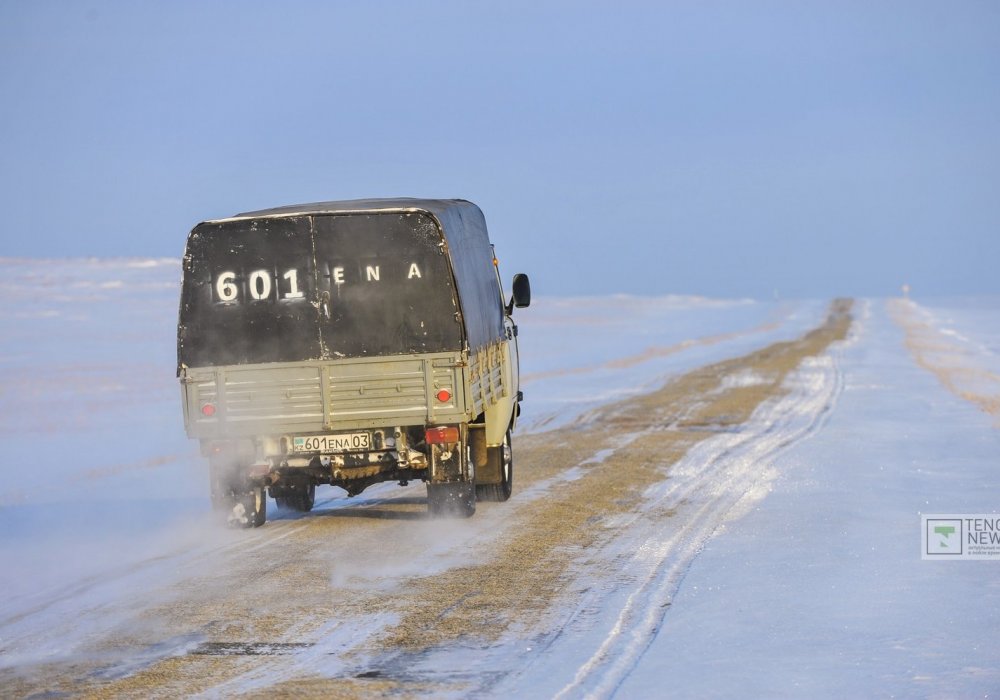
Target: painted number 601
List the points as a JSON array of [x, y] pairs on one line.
[[259, 284]]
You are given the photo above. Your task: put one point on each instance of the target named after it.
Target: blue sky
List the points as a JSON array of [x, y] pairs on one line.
[[728, 149]]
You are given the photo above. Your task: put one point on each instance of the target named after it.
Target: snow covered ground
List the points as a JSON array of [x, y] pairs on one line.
[[812, 585], [581, 353], [820, 591], [96, 458], [971, 321]]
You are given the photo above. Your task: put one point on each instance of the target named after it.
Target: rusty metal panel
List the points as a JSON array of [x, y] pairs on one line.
[[486, 378]]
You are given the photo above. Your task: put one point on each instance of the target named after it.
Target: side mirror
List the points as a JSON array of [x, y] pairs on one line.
[[520, 291]]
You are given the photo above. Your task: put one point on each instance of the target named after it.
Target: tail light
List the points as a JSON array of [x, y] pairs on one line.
[[208, 410], [444, 433]]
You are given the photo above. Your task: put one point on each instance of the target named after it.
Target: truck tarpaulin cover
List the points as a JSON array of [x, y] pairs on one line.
[[338, 279]]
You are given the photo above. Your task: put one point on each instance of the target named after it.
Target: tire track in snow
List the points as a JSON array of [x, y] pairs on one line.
[[550, 546], [727, 467], [954, 359]]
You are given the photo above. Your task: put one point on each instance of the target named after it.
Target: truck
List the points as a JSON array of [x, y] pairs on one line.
[[349, 343]]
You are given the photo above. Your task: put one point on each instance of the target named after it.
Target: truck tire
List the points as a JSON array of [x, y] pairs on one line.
[[249, 509], [451, 500], [302, 499], [503, 457]]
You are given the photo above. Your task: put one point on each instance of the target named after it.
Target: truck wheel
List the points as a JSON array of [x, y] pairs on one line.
[[302, 500], [249, 509], [453, 500], [499, 493]]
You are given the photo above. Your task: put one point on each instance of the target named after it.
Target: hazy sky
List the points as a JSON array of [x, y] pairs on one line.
[[718, 148]]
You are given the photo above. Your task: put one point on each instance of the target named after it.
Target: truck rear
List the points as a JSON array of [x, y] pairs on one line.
[[349, 343]]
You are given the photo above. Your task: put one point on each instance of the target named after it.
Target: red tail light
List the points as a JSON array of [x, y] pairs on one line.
[[208, 410], [445, 433], [444, 396]]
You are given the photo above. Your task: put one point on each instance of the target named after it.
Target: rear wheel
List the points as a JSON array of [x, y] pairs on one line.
[[452, 500], [301, 499], [249, 509], [241, 504], [504, 458]]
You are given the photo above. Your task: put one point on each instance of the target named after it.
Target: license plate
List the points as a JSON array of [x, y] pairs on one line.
[[344, 442]]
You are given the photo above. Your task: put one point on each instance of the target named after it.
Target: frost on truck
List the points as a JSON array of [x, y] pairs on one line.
[[349, 343]]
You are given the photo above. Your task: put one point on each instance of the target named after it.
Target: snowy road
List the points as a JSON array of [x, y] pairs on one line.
[[644, 453]]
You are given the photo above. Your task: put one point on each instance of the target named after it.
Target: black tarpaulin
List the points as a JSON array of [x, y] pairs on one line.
[[359, 278]]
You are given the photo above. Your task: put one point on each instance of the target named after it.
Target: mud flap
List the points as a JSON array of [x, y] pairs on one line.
[[454, 500], [492, 470], [451, 492], [450, 463], [486, 471]]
